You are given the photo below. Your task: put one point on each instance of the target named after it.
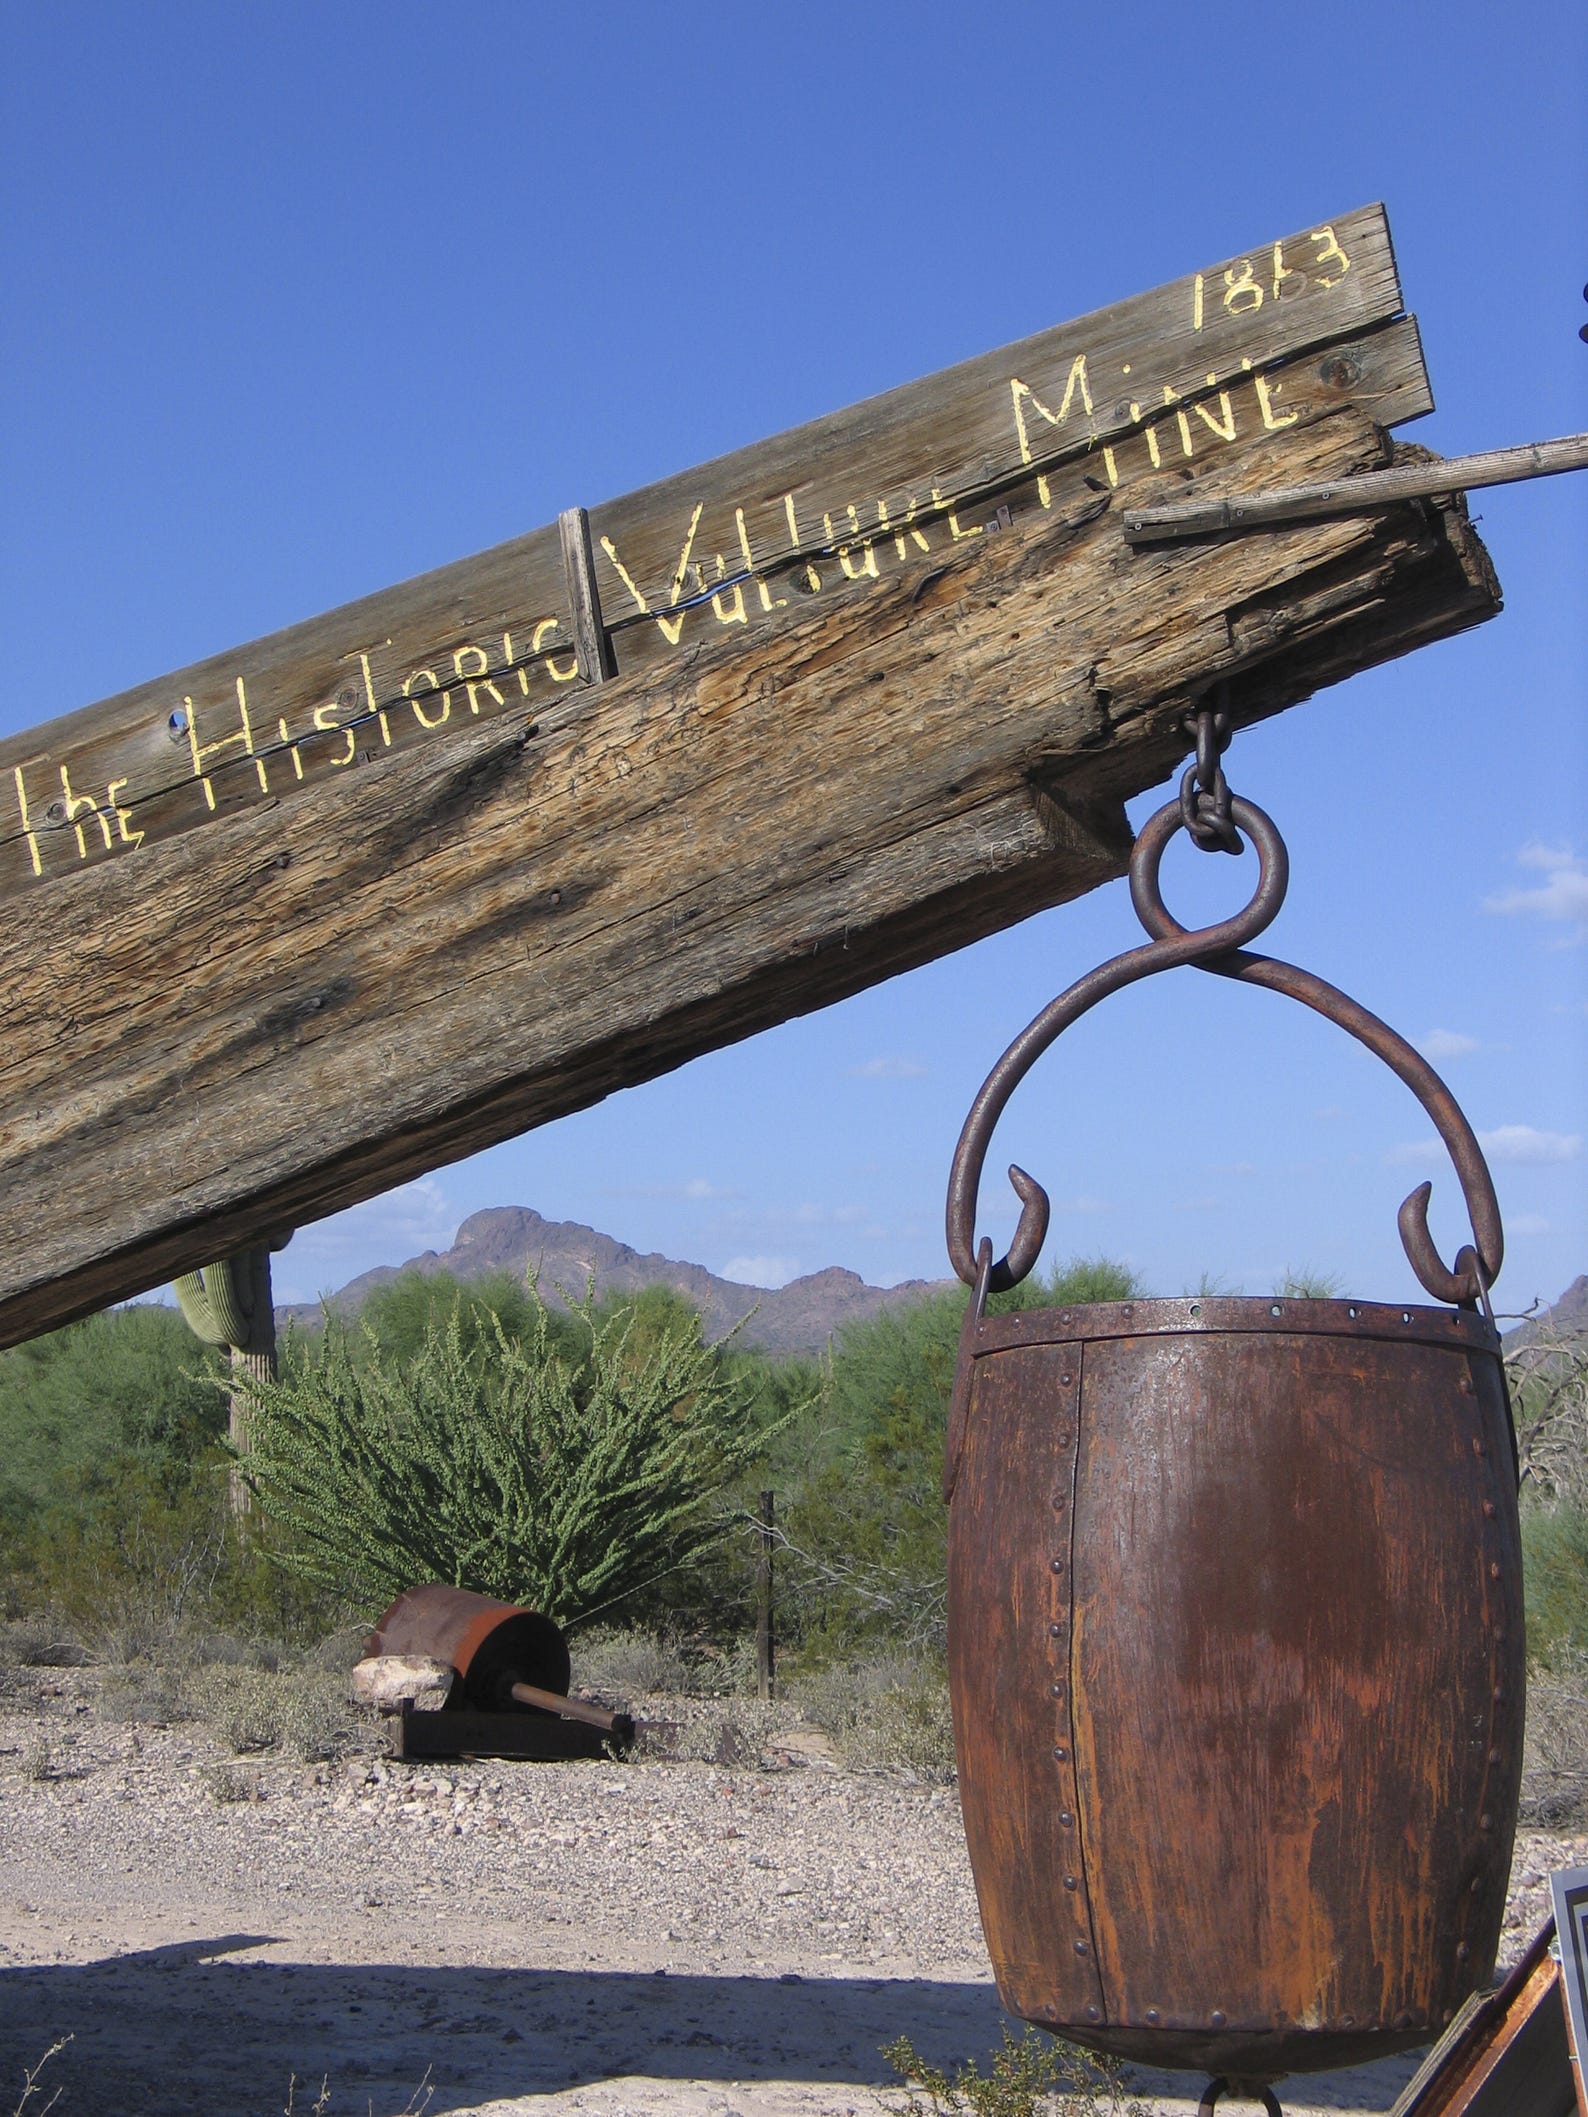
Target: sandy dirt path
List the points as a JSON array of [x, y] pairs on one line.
[[658, 1938]]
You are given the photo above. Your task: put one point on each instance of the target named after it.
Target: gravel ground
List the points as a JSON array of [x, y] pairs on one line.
[[654, 1937]]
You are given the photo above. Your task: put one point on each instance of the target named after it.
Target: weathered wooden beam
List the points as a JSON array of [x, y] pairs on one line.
[[373, 893]]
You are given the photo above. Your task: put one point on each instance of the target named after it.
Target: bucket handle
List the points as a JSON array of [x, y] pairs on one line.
[[1219, 949]]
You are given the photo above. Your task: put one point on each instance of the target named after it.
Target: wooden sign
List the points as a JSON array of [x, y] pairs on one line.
[[1568, 1889], [1508, 2053], [374, 892]]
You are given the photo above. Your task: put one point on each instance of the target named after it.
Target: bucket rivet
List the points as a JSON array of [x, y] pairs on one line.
[[1499, 1693], [1494, 1569], [1065, 1381], [1066, 1820], [1081, 1948], [1494, 1756], [1152, 2016], [1477, 1884], [1485, 1822], [1058, 1565], [1060, 1752], [1217, 2017], [1463, 1950], [1056, 1631], [1059, 1499], [1465, 1385], [1094, 2013], [1478, 1447], [1070, 1882], [1056, 1690], [1403, 2020], [1489, 1510]]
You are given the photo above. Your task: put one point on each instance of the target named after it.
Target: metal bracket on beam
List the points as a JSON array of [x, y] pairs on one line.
[[1353, 496], [596, 661]]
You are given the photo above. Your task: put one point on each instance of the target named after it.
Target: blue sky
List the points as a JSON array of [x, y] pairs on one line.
[[297, 301]]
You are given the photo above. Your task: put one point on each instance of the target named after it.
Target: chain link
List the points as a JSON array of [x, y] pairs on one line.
[[1204, 790]]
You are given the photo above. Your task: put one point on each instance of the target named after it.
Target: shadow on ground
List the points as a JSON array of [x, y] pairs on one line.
[[198, 2029]]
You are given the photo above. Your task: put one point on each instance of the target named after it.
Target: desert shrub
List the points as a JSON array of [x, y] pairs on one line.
[[140, 1694], [1555, 1770], [1304, 1283], [1031, 2075], [627, 1664], [316, 1719], [302, 1711], [136, 1565], [501, 1465], [225, 1784], [1555, 1576], [244, 1706], [890, 1712], [43, 1642], [130, 1385]]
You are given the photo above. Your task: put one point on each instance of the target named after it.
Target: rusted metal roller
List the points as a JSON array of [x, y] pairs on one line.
[[1235, 1613], [504, 1656]]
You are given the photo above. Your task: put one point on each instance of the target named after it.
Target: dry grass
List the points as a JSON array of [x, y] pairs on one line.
[[29, 2105], [889, 1714], [1555, 1755]]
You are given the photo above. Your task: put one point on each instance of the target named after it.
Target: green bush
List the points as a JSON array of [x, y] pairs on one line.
[[1555, 1576], [500, 1464], [130, 1386]]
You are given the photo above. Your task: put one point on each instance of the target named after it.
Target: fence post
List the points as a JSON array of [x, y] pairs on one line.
[[765, 1641]]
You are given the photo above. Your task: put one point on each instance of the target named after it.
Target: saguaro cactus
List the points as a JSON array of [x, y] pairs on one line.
[[230, 1304]]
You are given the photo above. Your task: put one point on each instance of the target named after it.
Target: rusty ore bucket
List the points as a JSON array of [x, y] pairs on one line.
[[1235, 1614], [1237, 1661]]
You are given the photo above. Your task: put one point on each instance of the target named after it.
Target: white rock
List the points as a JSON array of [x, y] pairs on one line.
[[386, 1680]]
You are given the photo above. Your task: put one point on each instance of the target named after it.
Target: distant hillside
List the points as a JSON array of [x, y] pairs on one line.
[[1558, 1325], [798, 1318]]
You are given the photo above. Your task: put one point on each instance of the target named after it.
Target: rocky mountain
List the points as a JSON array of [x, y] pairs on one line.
[[1564, 1324], [565, 1256]]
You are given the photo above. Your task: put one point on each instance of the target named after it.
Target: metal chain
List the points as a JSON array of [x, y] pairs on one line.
[[1204, 790]]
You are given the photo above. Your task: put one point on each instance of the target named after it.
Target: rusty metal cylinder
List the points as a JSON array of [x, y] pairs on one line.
[[1237, 1658], [492, 1645]]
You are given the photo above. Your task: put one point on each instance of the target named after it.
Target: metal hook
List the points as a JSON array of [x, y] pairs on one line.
[[1219, 949]]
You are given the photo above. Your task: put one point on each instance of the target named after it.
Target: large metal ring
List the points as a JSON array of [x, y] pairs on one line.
[[1175, 946], [1259, 2088], [1273, 878]]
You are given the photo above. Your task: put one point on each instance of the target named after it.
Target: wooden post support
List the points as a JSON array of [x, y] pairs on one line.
[[765, 1639], [310, 918]]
